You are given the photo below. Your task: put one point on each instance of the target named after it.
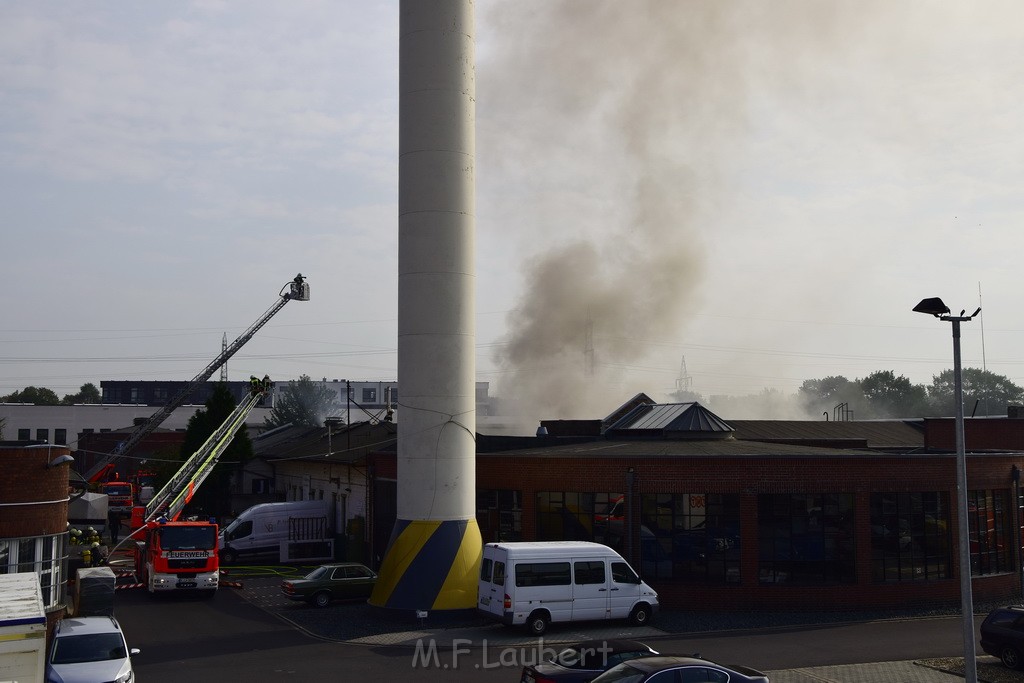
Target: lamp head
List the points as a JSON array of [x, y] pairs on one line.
[[933, 306]]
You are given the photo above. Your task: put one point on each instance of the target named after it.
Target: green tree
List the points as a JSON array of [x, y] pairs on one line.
[[87, 394], [985, 393], [889, 396], [214, 496], [303, 403], [39, 396]]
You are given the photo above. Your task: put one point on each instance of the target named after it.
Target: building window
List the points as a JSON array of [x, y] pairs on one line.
[[393, 395], [990, 525], [910, 537], [60, 437], [690, 536], [572, 516], [261, 485], [806, 538], [44, 555], [160, 394], [369, 395], [42, 434], [499, 514], [134, 395], [24, 434]]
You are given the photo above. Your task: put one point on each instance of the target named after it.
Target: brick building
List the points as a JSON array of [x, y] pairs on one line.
[[759, 514], [34, 517]]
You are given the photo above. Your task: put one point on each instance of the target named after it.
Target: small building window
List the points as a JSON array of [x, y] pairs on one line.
[[24, 434], [43, 434], [60, 437], [369, 395]]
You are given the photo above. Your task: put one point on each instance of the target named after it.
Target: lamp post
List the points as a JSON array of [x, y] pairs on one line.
[[938, 309]]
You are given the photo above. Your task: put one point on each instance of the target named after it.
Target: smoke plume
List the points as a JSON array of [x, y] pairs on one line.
[[610, 125]]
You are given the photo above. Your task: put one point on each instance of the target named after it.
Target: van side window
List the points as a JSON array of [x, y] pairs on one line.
[[623, 573], [499, 574], [485, 569], [542, 574], [589, 572]]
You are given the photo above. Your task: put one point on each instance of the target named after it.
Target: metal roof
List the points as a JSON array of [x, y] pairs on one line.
[[671, 419]]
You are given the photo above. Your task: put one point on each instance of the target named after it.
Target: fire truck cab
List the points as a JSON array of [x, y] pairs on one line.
[[174, 556]]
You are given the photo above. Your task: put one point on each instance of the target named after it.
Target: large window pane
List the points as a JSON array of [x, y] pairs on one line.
[[806, 538], [690, 536], [910, 537], [990, 524]]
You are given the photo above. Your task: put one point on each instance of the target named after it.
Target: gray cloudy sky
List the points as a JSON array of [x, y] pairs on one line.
[[765, 189]]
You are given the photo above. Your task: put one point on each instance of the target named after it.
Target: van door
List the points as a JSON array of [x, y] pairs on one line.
[[590, 589], [491, 589], [624, 589]]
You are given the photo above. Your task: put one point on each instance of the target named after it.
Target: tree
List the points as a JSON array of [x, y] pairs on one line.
[[819, 396], [87, 394], [37, 396], [889, 396], [303, 403], [985, 393]]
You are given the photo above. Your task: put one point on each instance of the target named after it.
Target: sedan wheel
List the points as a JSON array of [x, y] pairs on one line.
[[1010, 657], [322, 599]]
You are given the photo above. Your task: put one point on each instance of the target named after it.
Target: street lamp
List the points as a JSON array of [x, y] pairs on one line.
[[940, 310]]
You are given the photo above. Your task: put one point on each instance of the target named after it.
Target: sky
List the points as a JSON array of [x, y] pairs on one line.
[[730, 197]]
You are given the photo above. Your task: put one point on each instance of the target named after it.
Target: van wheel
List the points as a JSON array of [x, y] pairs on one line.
[[1010, 658], [228, 556], [322, 599], [640, 615], [537, 624]]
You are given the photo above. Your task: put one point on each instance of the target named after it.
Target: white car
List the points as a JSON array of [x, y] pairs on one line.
[[89, 649]]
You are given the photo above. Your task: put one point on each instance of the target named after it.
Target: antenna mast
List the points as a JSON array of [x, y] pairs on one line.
[[223, 351]]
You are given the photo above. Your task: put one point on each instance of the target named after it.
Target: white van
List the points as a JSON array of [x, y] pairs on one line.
[[547, 582], [291, 530]]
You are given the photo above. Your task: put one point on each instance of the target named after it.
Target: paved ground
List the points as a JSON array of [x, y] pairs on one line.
[[375, 628]]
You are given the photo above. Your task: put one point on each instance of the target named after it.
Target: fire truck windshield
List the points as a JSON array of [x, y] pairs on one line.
[[188, 537], [119, 490]]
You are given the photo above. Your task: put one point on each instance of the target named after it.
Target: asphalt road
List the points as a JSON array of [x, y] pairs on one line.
[[250, 635]]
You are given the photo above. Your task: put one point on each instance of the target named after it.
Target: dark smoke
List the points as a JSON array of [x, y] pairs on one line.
[[615, 121]]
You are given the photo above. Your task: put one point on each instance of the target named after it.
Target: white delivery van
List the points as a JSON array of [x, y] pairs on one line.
[[543, 582], [290, 530]]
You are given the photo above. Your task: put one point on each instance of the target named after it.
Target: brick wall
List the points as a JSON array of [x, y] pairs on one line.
[[749, 476], [40, 493]]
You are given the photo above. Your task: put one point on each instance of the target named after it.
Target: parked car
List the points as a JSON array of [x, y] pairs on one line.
[[662, 669], [1002, 635], [345, 581], [583, 661], [89, 649]]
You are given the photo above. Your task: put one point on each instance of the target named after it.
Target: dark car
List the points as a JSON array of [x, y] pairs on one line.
[[1002, 635], [345, 581], [663, 669], [583, 661]]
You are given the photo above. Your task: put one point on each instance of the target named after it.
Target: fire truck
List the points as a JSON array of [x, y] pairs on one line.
[[120, 496], [172, 554]]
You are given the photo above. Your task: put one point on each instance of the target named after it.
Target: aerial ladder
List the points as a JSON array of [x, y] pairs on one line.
[[171, 554], [169, 501], [297, 289]]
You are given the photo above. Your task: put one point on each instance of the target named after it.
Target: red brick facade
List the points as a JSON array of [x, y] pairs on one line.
[[856, 474], [34, 497]]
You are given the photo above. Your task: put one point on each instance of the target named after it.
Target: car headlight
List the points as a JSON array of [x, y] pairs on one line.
[[125, 677]]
